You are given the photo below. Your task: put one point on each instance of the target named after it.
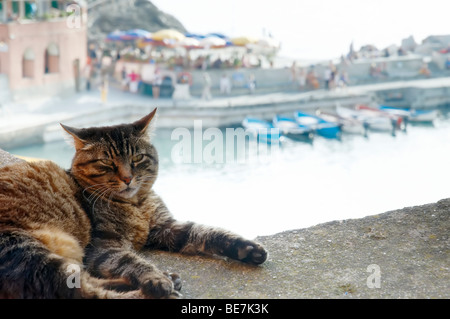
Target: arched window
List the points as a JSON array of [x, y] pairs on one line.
[[28, 63], [51, 59]]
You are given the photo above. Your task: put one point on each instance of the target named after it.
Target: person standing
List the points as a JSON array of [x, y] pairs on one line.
[[104, 90], [124, 79], [225, 85], [301, 79], [133, 82], [206, 94], [327, 74], [294, 72], [311, 79], [157, 81], [252, 83], [88, 71]]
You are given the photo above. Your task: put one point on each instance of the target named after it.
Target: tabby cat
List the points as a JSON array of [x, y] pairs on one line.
[[98, 215]]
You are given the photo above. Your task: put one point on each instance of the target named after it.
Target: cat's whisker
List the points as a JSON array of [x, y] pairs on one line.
[[99, 187], [98, 197], [148, 182], [109, 200], [147, 179], [86, 188], [96, 192], [99, 192], [96, 185]]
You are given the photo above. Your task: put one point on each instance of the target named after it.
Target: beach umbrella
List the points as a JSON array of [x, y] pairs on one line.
[[219, 35], [167, 34], [135, 34], [244, 40], [190, 43], [129, 35], [194, 35], [115, 36], [222, 36], [213, 42], [142, 43]]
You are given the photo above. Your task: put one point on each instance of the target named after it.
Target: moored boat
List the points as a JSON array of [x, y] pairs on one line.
[[290, 128], [412, 115], [395, 121], [321, 126], [348, 125], [263, 130], [374, 119]]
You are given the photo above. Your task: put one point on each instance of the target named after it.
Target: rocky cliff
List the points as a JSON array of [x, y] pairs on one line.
[[107, 16]]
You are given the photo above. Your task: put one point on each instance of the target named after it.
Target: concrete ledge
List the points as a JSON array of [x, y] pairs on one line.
[[410, 247]]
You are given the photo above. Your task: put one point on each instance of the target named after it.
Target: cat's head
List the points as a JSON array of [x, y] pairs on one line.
[[114, 162]]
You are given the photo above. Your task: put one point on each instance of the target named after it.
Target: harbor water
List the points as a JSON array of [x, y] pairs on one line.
[[297, 185]]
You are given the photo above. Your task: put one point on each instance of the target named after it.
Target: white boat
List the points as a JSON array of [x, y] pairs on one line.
[[376, 121], [290, 128], [349, 125], [412, 115]]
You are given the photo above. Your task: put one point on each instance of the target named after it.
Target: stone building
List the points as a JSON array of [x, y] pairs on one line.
[[43, 47]]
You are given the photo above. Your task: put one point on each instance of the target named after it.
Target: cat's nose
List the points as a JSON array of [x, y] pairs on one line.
[[126, 179]]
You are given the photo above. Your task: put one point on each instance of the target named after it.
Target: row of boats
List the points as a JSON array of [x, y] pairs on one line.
[[303, 126]]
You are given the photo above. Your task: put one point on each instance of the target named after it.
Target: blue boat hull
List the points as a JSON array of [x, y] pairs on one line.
[[323, 128], [330, 132], [291, 129], [264, 131]]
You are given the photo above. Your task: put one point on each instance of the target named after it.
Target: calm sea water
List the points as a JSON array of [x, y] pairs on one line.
[[299, 185]]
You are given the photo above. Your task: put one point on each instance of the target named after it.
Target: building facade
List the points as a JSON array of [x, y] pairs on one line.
[[43, 47]]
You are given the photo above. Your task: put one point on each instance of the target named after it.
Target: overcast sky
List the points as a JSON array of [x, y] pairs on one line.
[[315, 29]]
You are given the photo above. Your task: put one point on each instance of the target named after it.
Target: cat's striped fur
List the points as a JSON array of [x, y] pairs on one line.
[[99, 214]]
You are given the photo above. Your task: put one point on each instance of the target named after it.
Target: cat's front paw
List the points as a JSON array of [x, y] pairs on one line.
[[159, 286], [250, 252]]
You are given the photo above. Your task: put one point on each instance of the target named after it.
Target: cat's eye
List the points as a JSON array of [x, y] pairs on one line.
[[137, 158], [107, 162]]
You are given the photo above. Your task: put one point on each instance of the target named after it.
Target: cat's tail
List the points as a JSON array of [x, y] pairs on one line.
[[28, 270]]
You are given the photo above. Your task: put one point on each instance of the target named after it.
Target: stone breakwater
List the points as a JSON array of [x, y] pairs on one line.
[[399, 254]]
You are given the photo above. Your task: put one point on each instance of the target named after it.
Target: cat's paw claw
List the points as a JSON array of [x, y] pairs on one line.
[[176, 279]]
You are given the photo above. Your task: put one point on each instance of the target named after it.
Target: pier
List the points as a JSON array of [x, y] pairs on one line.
[[32, 122]]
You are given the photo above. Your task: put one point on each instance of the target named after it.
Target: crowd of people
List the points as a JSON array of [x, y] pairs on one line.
[[102, 61], [307, 78], [328, 76]]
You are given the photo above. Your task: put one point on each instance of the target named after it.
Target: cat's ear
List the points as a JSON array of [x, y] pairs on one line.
[[75, 132], [142, 126]]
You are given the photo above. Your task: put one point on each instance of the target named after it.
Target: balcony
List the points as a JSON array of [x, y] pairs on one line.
[[23, 11]]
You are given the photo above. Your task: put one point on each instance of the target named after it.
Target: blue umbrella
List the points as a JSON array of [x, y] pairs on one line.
[[133, 34], [115, 36], [194, 35], [222, 36], [219, 35]]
